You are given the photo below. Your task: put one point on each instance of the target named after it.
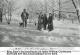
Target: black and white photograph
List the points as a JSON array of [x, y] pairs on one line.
[[39, 23]]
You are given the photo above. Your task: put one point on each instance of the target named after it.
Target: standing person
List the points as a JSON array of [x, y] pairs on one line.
[[24, 17], [45, 21], [40, 21], [1, 15], [50, 22]]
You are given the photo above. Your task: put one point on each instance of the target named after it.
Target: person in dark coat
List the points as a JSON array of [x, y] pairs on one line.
[[38, 26], [45, 21], [40, 22], [0, 15], [50, 22], [24, 17]]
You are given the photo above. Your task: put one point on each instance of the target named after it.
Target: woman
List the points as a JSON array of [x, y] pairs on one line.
[[50, 22]]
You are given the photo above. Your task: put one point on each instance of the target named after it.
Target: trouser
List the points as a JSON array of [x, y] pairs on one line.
[[44, 25], [40, 25], [1, 19], [50, 27], [24, 22]]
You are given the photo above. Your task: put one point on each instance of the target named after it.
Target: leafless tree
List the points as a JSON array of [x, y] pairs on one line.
[[77, 10], [9, 8]]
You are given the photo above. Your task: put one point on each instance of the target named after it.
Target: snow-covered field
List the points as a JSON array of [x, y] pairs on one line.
[[65, 34]]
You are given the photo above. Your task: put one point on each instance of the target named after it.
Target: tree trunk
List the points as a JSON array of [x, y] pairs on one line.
[[77, 11]]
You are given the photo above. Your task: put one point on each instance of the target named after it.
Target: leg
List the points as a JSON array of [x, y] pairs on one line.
[[25, 23], [44, 26], [52, 27], [39, 26], [1, 19]]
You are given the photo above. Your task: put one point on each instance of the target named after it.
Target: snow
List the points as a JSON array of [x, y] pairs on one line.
[[65, 34]]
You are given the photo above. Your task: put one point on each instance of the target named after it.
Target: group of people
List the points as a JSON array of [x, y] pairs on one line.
[[45, 22]]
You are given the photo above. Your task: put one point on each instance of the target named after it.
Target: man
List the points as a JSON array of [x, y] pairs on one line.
[[24, 17], [0, 15], [50, 22], [45, 21]]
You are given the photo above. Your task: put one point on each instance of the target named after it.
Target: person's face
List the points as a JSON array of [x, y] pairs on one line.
[[24, 10]]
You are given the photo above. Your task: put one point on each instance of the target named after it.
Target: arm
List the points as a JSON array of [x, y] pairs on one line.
[[21, 14], [27, 14]]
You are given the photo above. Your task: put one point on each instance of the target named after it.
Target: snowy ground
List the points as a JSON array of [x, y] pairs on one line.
[[65, 34]]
